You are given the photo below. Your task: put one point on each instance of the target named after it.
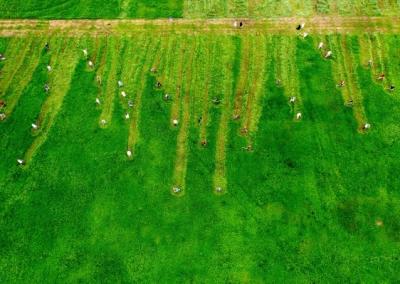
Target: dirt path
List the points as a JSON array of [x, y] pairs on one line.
[[193, 26]]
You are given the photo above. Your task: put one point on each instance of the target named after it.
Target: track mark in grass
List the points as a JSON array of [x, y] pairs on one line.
[[179, 176], [23, 75], [15, 58], [286, 71], [219, 179], [110, 87], [344, 69], [243, 77], [142, 73], [262, 59], [61, 80], [209, 68]]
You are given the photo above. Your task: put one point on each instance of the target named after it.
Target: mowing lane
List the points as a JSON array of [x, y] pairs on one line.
[[60, 80], [141, 72], [178, 187]]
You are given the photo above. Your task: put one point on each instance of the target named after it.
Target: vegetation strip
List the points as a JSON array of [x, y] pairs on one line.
[[62, 77], [220, 176], [179, 175]]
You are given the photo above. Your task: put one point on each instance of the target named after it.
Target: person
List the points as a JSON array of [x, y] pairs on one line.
[[153, 70], [2, 57], [98, 79], [166, 97], [248, 148], [120, 84], [200, 120], [292, 100], [305, 35], [2, 104], [90, 63], [204, 143], [127, 116], [176, 189], [328, 54], [366, 126], [85, 52], [298, 116], [97, 101], [320, 45], [21, 162], [175, 122], [300, 26], [130, 103], [381, 77], [241, 24], [34, 126], [341, 83], [392, 88], [47, 46], [46, 88], [49, 68], [129, 153], [103, 122], [236, 116], [158, 84], [244, 130], [350, 103], [2, 116], [216, 101], [218, 189], [123, 94]]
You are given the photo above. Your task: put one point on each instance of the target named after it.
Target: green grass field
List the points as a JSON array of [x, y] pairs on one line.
[[314, 200], [60, 9]]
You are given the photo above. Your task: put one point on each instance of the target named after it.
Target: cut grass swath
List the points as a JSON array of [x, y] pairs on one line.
[[285, 62], [142, 74], [110, 86], [344, 68], [23, 76], [18, 47], [179, 176], [61, 80], [219, 179]]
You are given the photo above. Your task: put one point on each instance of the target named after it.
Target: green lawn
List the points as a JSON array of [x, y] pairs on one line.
[[316, 200]]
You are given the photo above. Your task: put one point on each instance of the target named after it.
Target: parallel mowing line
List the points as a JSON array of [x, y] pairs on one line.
[[62, 76], [23, 76], [135, 87], [179, 176], [207, 66], [346, 66], [219, 180], [175, 108], [15, 59], [287, 71], [169, 64], [134, 129], [254, 106], [128, 67], [243, 77], [111, 85]]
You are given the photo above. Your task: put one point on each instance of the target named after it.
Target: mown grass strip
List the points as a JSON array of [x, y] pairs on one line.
[[19, 47], [286, 71], [181, 159], [23, 76], [220, 176], [110, 86], [254, 107], [243, 77], [208, 69], [135, 122], [345, 66], [61, 80]]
